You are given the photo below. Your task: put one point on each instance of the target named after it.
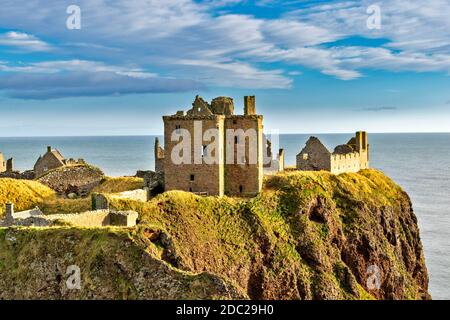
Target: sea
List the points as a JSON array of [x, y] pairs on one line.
[[419, 162]]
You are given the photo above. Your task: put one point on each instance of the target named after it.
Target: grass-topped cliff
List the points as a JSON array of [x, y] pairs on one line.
[[308, 235]]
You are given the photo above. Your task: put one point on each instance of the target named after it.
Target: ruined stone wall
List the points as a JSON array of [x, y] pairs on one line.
[[2, 163], [26, 175], [244, 179], [10, 165], [202, 177], [362, 145], [46, 163], [159, 156], [88, 219], [281, 160], [349, 162], [97, 218], [314, 157]]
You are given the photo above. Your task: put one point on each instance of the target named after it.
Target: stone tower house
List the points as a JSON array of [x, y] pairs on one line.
[[350, 157], [237, 168]]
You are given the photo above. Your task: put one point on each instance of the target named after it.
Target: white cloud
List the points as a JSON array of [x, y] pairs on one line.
[[23, 41], [237, 74], [192, 40]]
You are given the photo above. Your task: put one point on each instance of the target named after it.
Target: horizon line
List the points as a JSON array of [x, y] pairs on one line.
[[281, 133]]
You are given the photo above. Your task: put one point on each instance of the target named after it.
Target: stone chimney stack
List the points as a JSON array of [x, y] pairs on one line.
[[9, 211], [49, 148], [249, 105], [10, 165]]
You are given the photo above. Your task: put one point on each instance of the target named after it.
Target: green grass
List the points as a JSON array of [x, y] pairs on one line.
[[270, 245]]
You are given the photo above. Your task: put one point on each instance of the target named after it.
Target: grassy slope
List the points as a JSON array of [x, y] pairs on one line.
[[24, 194], [305, 236], [112, 266], [274, 247]]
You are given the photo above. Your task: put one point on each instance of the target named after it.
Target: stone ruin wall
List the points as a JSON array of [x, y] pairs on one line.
[[349, 162], [88, 219], [317, 158], [245, 179], [2, 163], [198, 178]]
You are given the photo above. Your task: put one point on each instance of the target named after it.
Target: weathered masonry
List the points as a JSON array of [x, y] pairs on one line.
[[6, 166], [53, 159], [242, 134], [350, 157]]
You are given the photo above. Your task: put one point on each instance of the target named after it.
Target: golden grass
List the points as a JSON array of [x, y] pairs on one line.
[[119, 184], [25, 194], [61, 206]]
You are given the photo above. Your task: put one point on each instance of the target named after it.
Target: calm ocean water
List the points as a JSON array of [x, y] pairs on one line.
[[420, 163]]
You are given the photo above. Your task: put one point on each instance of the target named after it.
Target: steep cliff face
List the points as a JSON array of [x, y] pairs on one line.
[[45, 263], [308, 235]]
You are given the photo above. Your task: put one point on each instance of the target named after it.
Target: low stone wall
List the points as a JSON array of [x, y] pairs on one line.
[[138, 195], [26, 175], [88, 219]]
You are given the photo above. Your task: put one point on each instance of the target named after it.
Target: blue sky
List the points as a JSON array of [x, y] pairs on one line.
[[315, 66]]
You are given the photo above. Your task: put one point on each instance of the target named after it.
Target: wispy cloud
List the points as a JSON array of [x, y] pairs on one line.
[[74, 78], [23, 41], [378, 109], [197, 40]]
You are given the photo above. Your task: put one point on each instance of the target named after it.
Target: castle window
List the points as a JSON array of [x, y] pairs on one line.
[[234, 122], [190, 189], [305, 156], [241, 189], [192, 177], [236, 140]]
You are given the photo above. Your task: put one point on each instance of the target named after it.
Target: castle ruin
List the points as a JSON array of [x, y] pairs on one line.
[[235, 143], [53, 159], [350, 157]]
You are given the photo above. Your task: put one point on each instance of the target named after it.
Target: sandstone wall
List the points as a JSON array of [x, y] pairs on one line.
[[2, 163], [247, 178], [200, 178], [314, 156], [46, 163], [349, 162]]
